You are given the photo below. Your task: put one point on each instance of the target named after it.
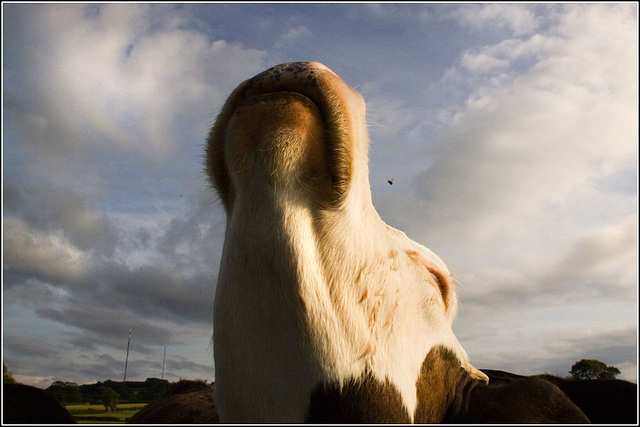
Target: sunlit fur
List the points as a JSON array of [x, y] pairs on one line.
[[313, 286]]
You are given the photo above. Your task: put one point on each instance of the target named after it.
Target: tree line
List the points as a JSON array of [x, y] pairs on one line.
[[108, 393]]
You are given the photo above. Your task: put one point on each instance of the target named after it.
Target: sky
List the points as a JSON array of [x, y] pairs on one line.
[[510, 132]]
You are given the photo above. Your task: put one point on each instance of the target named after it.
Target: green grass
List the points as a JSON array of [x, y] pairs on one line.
[[96, 414]]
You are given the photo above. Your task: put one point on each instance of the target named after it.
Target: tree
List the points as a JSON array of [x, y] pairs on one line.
[[7, 378], [65, 392], [109, 398], [590, 369]]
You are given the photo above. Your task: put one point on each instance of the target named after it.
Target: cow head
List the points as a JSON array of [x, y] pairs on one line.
[[314, 288]]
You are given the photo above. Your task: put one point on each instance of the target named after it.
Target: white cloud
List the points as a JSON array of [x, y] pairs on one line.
[[35, 380], [502, 55], [481, 62], [557, 128], [388, 114], [520, 19], [605, 257], [628, 371], [600, 264], [292, 36], [112, 78], [49, 256]]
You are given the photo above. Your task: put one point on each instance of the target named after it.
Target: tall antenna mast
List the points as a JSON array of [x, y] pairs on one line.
[[127, 359], [163, 358]]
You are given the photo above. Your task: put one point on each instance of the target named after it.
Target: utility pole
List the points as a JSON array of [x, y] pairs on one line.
[[163, 358], [127, 359]]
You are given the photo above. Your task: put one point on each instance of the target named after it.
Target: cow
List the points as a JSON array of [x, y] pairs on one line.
[[25, 404], [322, 311], [185, 402], [603, 401]]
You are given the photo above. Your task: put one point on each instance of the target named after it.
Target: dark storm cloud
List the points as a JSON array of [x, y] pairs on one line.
[[29, 347], [181, 364], [61, 210], [54, 265], [158, 291], [107, 327]]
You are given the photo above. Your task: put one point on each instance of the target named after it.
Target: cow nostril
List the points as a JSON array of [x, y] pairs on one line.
[[320, 67], [304, 73]]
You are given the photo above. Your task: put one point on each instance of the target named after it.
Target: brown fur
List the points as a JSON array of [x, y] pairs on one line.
[[439, 376], [368, 400], [602, 401], [521, 400], [186, 402], [362, 400]]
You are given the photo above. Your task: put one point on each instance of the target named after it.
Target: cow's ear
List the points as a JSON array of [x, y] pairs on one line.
[[526, 400], [439, 279]]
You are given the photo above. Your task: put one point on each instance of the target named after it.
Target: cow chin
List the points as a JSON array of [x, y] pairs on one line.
[[307, 134], [277, 140]]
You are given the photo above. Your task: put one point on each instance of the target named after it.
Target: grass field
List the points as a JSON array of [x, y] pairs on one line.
[[95, 414]]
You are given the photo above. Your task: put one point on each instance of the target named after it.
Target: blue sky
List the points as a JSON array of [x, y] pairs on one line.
[[510, 132]]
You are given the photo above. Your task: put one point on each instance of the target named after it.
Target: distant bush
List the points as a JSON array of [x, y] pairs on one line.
[[590, 369]]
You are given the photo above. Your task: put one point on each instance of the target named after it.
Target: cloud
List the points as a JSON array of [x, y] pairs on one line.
[[166, 293], [180, 364], [103, 326], [45, 256], [481, 62], [389, 115], [598, 265], [29, 347], [519, 19], [556, 354], [64, 212], [119, 79], [292, 36], [531, 141], [109, 111], [493, 58], [603, 259]]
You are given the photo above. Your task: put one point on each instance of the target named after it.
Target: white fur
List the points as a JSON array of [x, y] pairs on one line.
[[306, 295]]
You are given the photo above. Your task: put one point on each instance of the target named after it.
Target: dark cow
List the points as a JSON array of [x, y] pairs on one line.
[[24, 404], [602, 401], [186, 402]]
